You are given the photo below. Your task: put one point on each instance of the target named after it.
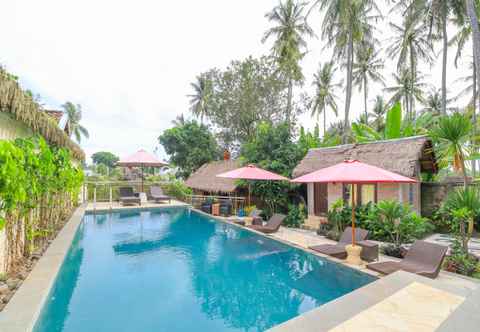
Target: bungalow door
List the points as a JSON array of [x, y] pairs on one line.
[[320, 192]]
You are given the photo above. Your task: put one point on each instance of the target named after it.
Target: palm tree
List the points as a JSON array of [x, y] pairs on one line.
[[199, 99], [407, 89], [74, 116], [452, 135], [460, 39], [289, 30], [438, 13], [347, 23], [411, 44], [367, 67], [378, 112], [434, 103], [472, 15], [325, 92]]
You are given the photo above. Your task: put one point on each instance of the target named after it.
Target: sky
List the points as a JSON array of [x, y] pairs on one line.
[[129, 63]]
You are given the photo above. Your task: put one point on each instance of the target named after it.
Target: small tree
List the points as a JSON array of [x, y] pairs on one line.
[[272, 148], [463, 206], [190, 145], [105, 158]]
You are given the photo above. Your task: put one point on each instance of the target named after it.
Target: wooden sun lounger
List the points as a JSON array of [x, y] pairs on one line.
[[272, 225], [338, 250], [158, 196], [423, 258], [127, 196]]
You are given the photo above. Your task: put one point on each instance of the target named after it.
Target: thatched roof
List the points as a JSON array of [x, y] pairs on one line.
[[205, 177], [406, 156], [14, 101]]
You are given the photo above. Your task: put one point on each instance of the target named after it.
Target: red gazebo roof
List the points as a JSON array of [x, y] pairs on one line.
[[141, 158]]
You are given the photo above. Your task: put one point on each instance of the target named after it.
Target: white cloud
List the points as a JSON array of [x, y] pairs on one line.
[[130, 63]]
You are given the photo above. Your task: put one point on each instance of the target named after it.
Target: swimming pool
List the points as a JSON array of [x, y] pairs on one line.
[[172, 269]]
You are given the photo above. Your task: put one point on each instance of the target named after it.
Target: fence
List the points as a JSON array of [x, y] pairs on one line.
[[197, 200], [108, 191]]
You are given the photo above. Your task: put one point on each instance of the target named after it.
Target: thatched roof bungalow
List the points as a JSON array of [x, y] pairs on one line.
[[204, 180], [406, 156], [21, 116]]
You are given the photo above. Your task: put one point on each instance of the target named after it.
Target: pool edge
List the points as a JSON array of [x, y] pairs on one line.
[[24, 308]]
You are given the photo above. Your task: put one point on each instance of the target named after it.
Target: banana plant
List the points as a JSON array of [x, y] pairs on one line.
[[394, 127]]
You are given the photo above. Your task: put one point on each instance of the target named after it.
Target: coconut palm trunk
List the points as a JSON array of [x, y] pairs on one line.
[[474, 116], [444, 59], [348, 96], [289, 101], [412, 80], [365, 96], [324, 122], [475, 37]]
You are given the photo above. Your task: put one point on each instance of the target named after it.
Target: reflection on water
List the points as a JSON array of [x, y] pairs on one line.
[[149, 271]]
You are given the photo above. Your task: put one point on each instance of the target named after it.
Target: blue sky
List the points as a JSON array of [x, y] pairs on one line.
[[130, 63]]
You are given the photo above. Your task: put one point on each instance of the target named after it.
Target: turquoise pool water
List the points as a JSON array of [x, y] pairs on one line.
[[172, 269]]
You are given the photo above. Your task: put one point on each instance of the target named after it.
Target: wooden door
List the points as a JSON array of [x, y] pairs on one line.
[[320, 192]]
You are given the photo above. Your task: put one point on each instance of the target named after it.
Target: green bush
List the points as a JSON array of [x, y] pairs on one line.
[[177, 189], [462, 262], [387, 221], [296, 215]]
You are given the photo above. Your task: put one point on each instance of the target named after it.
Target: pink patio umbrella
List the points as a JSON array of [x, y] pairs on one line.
[[353, 172], [141, 159], [251, 172]]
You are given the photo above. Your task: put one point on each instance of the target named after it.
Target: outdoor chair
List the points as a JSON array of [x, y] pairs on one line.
[[158, 196], [423, 258], [226, 207], [338, 250], [272, 225], [127, 196], [207, 206]]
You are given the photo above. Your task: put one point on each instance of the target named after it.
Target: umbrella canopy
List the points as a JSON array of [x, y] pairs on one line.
[[251, 172], [353, 171], [141, 158]]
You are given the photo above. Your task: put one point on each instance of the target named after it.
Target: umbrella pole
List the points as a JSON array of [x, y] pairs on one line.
[[249, 190], [142, 177], [353, 214]]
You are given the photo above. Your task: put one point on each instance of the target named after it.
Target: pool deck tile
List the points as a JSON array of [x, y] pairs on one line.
[[335, 313]]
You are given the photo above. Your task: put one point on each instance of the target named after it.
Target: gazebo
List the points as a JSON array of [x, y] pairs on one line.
[[141, 159]]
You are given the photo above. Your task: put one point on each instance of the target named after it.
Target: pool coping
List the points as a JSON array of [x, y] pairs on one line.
[[23, 309]]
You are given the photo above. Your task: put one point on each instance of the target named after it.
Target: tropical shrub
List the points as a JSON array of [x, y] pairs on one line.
[[39, 186], [461, 262], [387, 221], [463, 206], [296, 215], [177, 189]]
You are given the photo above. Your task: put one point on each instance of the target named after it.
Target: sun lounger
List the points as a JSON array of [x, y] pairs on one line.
[[423, 258], [272, 225], [127, 196], [338, 250], [158, 196]]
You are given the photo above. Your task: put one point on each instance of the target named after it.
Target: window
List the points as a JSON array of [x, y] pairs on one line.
[[365, 193], [368, 193]]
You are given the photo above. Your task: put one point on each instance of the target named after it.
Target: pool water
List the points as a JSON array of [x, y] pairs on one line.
[[172, 269]]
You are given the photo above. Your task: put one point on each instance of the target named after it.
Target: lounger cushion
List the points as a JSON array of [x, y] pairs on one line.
[[335, 250]]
